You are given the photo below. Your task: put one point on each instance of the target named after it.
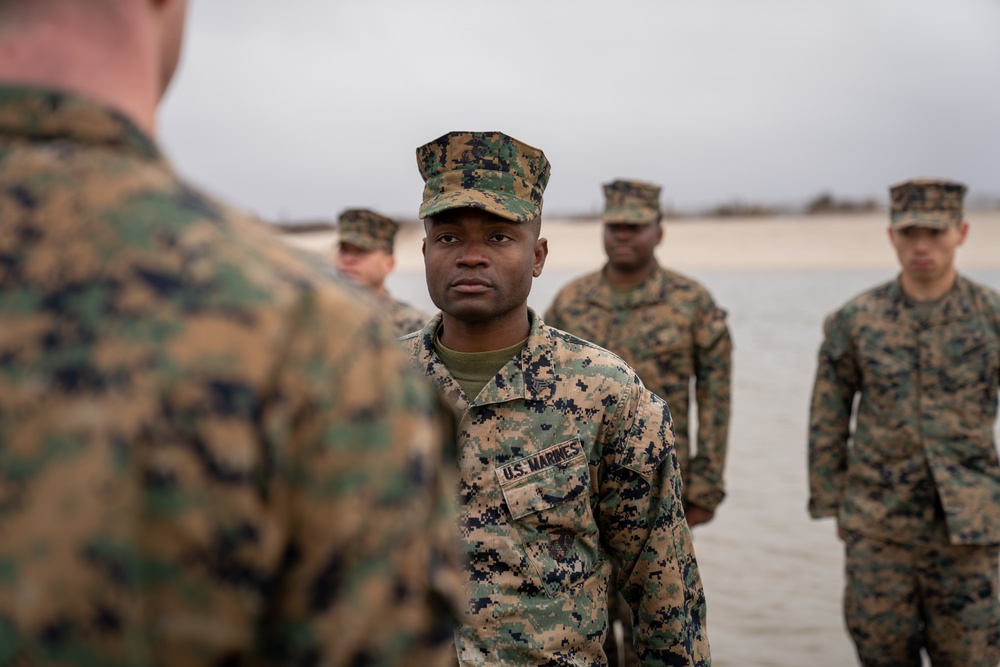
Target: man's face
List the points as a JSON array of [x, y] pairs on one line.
[[367, 268], [480, 266], [927, 254], [630, 247]]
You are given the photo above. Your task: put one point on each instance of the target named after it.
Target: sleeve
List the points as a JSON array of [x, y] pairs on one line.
[[713, 375], [553, 316], [644, 529], [371, 570], [837, 382]]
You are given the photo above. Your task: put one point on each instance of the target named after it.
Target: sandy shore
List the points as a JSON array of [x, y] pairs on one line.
[[822, 242]]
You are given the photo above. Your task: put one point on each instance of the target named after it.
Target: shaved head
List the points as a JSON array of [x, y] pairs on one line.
[[16, 13], [121, 52]]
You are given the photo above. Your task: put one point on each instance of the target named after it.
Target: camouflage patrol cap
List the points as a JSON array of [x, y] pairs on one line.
[[366, 229], [631, 202], [485, 170], [926, 202]]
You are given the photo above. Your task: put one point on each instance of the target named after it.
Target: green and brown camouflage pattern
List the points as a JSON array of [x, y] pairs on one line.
[[926, 202], [938, 596], [631, 202], [923, 441], [485, 170], [403, 317], [669, 330], [567, 464], [367, 230], [209, 453]]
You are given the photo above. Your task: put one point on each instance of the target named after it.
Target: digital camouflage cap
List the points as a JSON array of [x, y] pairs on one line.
[[631, 202], [485, 170], [926, 202], [367, 230]]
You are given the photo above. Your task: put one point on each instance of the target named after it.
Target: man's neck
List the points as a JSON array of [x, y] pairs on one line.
[[495, 334], [928, 290], [619, 278], [116, 71]]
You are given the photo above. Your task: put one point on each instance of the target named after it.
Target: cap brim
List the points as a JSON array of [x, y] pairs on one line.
[[629, 216], [506, 206], [357, 240], [929, 220]]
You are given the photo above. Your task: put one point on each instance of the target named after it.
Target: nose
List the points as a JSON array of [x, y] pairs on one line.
[[473, 253]]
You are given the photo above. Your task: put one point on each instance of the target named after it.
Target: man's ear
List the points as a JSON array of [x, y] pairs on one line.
[[541, 252], [963, 231]]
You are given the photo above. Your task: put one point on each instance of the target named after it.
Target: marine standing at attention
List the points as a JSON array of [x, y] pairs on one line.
[[669, 329], [364, 255], [208, 453], [566, 460], [914, 484]]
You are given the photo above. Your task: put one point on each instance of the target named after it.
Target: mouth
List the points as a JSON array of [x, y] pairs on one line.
[[622, 250], [471, 285]]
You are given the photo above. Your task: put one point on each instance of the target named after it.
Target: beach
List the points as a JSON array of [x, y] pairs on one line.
[[773, 577], [786, 242]]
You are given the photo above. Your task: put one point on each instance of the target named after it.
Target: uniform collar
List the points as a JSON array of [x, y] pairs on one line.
[[41, 114], [651, 290], [528, 376], [956, 304]]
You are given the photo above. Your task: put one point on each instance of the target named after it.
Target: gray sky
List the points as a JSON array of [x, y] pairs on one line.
[[301, 108]]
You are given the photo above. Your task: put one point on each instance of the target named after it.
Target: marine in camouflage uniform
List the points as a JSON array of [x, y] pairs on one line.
[[669, 329], [208, 453], [915, 484], [567, 462], [364, 255]]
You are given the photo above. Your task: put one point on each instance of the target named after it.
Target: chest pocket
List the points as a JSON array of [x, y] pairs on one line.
[[665, 360], [548, 497]]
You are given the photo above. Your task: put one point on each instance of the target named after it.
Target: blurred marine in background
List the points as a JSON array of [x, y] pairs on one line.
[[364, 255], [208, 454], [669, 329], [901, 446]]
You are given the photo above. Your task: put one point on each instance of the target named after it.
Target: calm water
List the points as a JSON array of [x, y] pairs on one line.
[[773, 576]]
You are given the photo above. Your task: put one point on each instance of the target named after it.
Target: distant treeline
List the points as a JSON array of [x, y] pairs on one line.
[[825, 203]]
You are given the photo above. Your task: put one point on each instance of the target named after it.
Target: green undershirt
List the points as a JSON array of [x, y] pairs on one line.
[[474, 370], [620, 295]]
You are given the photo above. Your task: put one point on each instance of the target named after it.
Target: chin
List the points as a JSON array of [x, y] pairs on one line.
[[470, 312]]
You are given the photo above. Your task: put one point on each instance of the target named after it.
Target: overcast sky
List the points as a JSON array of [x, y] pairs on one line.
[[301, 108]]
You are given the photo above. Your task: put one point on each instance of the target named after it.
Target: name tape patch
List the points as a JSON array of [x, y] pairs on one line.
[[546, 458]]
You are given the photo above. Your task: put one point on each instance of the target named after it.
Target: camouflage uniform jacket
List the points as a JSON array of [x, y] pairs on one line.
[[566, 462], [922, 449], [404, 317], [669, 330], [208, 454]]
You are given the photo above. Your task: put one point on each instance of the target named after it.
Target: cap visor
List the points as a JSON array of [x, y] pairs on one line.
[[929, 220], [629, 216], [357, 240], [506, 206]]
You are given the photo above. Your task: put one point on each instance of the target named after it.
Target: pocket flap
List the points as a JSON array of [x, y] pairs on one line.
[[546, 479]]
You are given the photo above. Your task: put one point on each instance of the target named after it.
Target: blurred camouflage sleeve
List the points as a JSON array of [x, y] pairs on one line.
[[713, 372], [552, 316], [643, 520], [371, 574], [837, 382]]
